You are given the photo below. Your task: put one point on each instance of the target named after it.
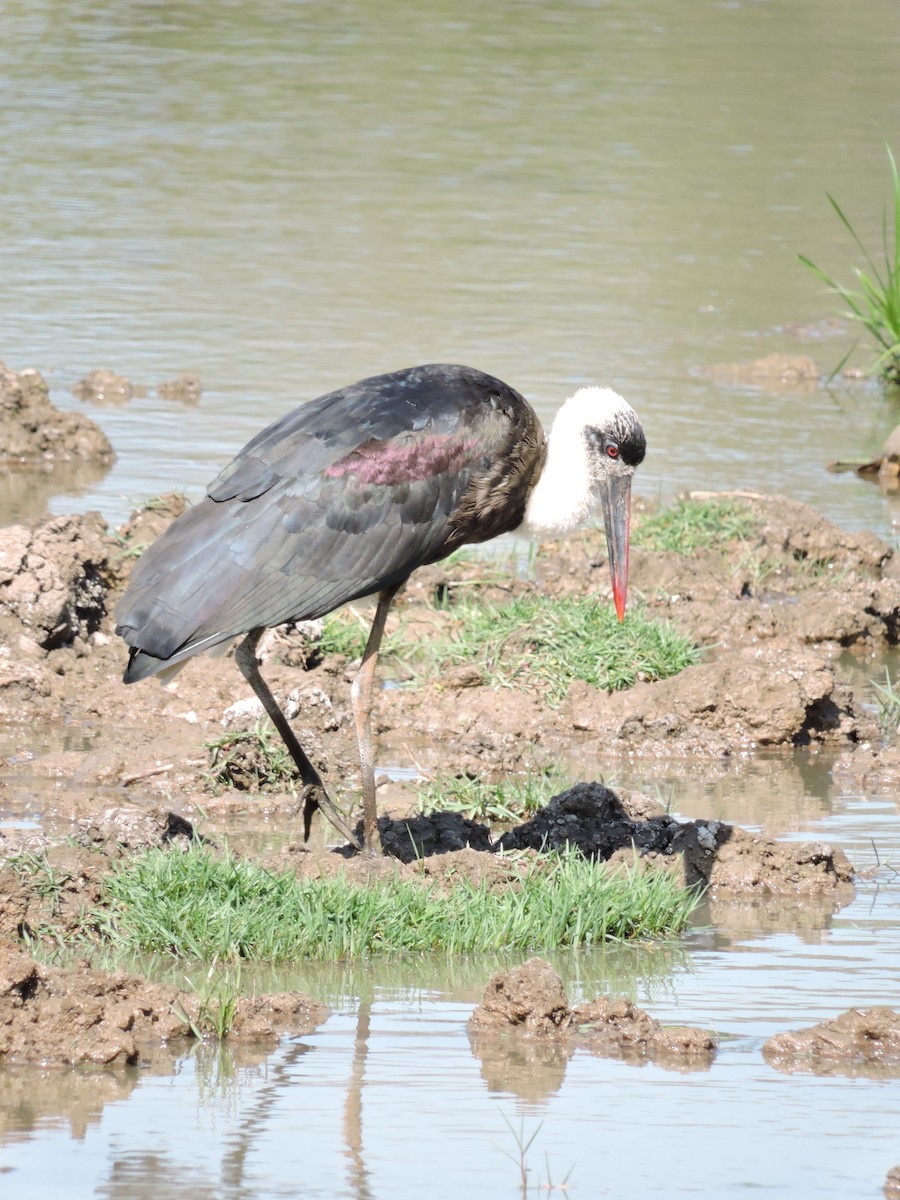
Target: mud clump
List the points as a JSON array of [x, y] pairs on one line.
[[53, 581], [792, 528], [106, 1019], [530, 1001], [712, 854], [104, 386], [414, 838], [765, 695], [777, 373], [81, 1016], [185, 388], [860, 1041], [34, 433], [529, 998], [615, 1028]]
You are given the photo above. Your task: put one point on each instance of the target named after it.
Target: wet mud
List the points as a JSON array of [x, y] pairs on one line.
[[101, 1018], [36, 435], [858, 1042], [777, 615], [530, 1002]]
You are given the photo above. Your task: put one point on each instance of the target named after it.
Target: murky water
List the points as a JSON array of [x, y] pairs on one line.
[[390, 1096], [286, 197]]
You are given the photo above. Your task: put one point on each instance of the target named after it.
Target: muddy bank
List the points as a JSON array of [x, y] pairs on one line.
[[83, 1016], [771, 634], [36, 435], [771, 676], [530, 1002]]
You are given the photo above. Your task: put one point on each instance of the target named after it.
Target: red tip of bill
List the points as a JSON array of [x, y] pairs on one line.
[[619, 598]]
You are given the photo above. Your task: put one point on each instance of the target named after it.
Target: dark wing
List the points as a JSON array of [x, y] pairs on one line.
[[341, 498]]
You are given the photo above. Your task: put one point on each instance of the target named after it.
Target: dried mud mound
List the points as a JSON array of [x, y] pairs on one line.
[[766, 696], [53, 580], [34, 433], [858, 1042], [530, 1001], [54, 583], [86, 1016]]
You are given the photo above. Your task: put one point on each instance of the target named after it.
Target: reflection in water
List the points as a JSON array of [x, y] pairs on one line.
[[774, 792], [156, 1174], [74, 1097], [256, 1113], [25, 493], [353, 1106], [739, 920], [532, 1068]]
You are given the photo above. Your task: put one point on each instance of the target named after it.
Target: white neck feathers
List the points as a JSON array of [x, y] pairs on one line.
[[565, 494]]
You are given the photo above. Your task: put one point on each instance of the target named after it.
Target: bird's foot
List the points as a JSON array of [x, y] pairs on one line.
[[316, 797]]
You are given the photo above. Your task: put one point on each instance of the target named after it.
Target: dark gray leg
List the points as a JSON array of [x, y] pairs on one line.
[[362, 694], [314, 794]]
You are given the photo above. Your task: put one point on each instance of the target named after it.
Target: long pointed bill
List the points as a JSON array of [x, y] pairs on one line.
[[615, 499]]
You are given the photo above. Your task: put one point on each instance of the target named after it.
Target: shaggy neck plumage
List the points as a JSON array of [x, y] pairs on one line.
[[565, 495]]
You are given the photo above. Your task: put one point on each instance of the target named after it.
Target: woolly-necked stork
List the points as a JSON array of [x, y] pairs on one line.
[[346, 496]]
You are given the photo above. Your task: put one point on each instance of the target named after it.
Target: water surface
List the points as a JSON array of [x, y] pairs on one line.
[[287, 197]]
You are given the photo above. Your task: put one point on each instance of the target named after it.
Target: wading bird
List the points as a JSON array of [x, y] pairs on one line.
[[345, 497]]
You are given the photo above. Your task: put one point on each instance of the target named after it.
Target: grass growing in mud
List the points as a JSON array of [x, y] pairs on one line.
[[250, 759], [208, 906], [487, 800], [550, 641], [887, 703], [691, 525]]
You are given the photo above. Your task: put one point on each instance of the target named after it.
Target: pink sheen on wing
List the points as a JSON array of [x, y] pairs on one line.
[[389, 463]]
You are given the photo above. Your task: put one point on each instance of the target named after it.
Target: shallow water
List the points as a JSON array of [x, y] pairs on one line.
[[286, 197], [389, 1095]]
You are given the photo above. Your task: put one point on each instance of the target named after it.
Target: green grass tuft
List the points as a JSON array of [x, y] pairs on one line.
[[489, 802], [217, 1002], [549, 642], [214, 907], [875, 303], [250, 760], [887, 702], [344, 633], [690, 525], [41, 876]]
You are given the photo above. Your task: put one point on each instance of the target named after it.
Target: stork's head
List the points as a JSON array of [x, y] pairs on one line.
[[615, 446], [595, 443]]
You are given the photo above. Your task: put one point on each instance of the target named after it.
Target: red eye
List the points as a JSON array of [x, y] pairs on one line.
[[612, 450]]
